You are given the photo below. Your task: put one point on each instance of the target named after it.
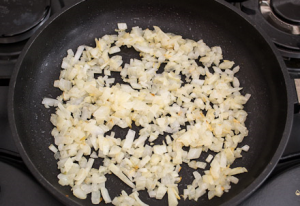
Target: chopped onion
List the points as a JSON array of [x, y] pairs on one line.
[[122, 26], [199, 107], [105, 195], [172, 199], [53, 148], [129, 139], [116, 170], [49, 102]]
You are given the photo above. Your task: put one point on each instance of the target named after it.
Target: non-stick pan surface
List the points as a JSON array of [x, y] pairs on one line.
[[262, 75]]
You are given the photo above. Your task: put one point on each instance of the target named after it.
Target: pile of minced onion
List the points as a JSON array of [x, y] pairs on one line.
[[204, 112]]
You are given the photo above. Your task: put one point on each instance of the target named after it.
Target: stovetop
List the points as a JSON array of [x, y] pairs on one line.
[[274, 16]]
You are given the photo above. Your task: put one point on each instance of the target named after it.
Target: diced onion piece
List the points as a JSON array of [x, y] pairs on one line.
[[53, 148], [209, 158], [105, 195], [245, 148], [161, 191], [114, 49], [237, 170], [78, 53], [116, 170], [79, 193], [129, 139], [159, 149], [95, 197], [172, 199], [194, 153], [122, 26], [49, 102], [138, 200]]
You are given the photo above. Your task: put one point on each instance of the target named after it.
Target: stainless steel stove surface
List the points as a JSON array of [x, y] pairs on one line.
[[279, 18]]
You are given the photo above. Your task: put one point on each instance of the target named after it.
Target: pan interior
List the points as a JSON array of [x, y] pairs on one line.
[[260, 75]]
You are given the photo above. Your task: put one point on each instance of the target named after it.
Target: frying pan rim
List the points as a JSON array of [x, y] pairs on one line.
[[234, 200]]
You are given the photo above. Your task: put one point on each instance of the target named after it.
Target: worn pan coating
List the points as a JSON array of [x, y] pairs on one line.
[[262, 75]]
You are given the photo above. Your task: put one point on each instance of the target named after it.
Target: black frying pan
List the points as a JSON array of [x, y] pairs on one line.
[[262, 74]]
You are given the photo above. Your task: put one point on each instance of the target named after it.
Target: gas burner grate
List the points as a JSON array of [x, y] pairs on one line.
[[20, 19], [280, 20], [282, 16]]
